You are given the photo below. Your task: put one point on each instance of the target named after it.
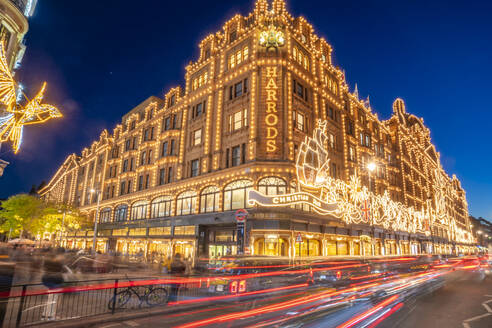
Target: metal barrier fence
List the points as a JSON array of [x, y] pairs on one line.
[[34, 304]]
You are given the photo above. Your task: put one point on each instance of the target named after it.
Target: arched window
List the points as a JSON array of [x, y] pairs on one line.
[[186, 203], [105, 215], [236, 195], [209, 200], [272, 186], [161, 207], [139, 210], [121, 213]]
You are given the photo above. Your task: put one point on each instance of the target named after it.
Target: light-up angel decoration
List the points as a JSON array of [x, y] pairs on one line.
[[17, 116]]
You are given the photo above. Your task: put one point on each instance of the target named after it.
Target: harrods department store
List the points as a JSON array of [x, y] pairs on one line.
[[265, 122]]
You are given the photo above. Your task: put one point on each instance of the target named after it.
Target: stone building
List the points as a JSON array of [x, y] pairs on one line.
[[264, 112]]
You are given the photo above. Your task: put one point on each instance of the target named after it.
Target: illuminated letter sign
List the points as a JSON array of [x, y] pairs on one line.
[[271, 118]]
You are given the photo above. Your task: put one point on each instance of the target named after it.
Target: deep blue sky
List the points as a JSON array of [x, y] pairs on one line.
[[103, 57]]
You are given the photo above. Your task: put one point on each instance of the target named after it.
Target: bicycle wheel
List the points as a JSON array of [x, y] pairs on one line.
[[121, 299], [158, 296]]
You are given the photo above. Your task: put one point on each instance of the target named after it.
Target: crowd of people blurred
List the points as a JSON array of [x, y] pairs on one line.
[[51, 266]]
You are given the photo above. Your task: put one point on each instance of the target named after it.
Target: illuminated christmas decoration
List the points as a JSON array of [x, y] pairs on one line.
[[351, 202], [34, 112], [272, 38]]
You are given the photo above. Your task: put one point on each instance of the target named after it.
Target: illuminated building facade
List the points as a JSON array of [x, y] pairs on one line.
[[264, 113], [14, 25]]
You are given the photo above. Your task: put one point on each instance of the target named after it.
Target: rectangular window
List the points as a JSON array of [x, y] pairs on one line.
[[368, 141], [164, 149], [122, 188], [236, 156], [238, 89], [332, 141], [237, 121], [299, 90], [227, 158], [167, 123], [127, 145], [195, 167], [162, 177], [186, 230], [172, 150], [170, 175], [351, 154], [330, 113], [149, 158], [161, 231], [198, 110], [333, 170], [140, 182], [197, 137], [129, 189], [243, 153], [361, 139], [131, 163], [350, 128], [175, 121], [146, 134], [143, 157], [299, 123], [125, 166], [147, 181]]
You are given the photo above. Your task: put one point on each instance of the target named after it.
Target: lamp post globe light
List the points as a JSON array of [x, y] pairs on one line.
[[94, 238]]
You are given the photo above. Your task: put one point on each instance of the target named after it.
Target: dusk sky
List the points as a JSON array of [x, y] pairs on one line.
[[101, 58]]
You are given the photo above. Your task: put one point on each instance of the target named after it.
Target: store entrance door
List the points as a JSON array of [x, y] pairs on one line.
[[217, 251]]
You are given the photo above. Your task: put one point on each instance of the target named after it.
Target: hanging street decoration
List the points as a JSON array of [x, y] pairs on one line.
[[17, 116], [351, 202]]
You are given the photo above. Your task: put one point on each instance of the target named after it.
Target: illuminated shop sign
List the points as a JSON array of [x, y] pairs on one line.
[[350, 202], [271, 118]]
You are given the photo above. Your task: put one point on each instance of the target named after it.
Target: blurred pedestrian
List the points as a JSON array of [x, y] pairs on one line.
[[53, 267], [178, 268]]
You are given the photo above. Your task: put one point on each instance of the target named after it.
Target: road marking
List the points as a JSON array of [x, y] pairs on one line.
[[111, 325], [487, 308], [132, 323]]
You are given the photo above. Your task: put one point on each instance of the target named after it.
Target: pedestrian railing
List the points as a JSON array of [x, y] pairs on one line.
[[33, 304]]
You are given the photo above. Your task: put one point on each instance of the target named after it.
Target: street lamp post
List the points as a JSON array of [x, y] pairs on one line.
[[94, 238], [371, 166], [63, 224]]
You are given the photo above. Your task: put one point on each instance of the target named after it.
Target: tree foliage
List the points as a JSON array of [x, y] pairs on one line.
[[25, 214]]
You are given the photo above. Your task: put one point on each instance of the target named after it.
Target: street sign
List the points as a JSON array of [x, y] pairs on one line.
[[241, 215], [299, 238]]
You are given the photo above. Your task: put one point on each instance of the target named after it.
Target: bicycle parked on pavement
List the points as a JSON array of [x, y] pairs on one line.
[[152, 296]]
